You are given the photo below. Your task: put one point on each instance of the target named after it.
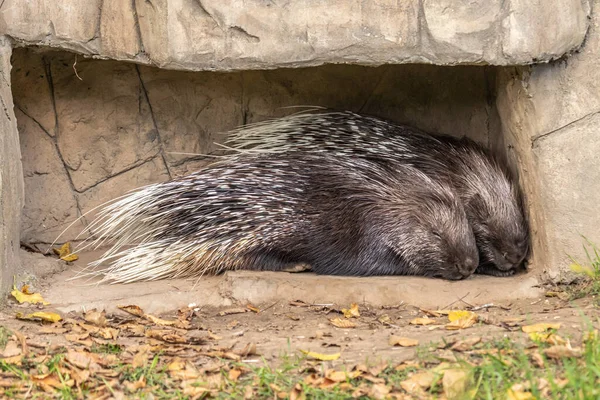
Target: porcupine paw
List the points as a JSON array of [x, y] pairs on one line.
[[297, 268]]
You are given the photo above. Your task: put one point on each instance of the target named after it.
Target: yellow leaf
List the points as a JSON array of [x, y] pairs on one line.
[[352, 312], [541, 327], [321, 357], [40, 315], [461, 320], [70, 258], [460, 314], [422, 321], [402, 341], [342, 323], [63, 250], [546, 337], [518, 395], [64, 253], [22, 297]]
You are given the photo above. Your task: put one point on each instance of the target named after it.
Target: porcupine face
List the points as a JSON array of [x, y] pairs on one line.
[[501, 231], [439, 241]]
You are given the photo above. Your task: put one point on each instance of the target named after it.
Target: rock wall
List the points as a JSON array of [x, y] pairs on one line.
[[92, 131], [551, 115], [11, 175], [259, 34]]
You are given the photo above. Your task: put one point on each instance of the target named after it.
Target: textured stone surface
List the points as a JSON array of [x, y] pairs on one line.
[[550, 115], [11, 175], [123, 127], [258, 34]]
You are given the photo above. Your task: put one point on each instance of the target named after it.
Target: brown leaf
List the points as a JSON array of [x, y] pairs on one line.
[[82, 360], [234, 374], [422, 321], [133, 310], [385, 319], [230, 311], [336, 376], [379, 368], [379, 391], [97, 318], [541, 327], [456, 382], [135, 386], [351, 312], [297, 393], [560, 351], [402, 341], [11, 349], [252, 308], [537, 359], [248, 350], [141, 358], [168, 336], [342, 323], [464, 345], [57, 330]]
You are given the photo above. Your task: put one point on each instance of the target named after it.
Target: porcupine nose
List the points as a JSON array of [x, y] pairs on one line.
[[467, 268]]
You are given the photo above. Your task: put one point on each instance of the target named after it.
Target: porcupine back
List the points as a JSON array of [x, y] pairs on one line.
[[267, 212], [489, 192]]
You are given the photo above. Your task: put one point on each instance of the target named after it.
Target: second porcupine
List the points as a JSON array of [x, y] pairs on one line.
[[341, 216], [491, 197]]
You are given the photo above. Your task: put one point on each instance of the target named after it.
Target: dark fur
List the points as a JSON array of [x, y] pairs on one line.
[[341, 216], [490, 194]]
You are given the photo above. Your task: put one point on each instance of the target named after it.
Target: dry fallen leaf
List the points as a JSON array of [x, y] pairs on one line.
[[560, 351], [97, 318], [541, 327], [402, 341], [417, 383], [351, 312], [379, 391], [460, 314], [342, 323], [252, 308], [234, 374], [133, 310], [422, 321], [27, 297], [82, 360], [40, 316], [513, 394], [166, 335], [546, 337], [466, 344], [230, 311], [64, 253], [320, 356], [461, 320], [456, 383]]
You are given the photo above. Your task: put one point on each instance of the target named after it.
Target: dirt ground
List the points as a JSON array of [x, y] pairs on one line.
[[288, 325]]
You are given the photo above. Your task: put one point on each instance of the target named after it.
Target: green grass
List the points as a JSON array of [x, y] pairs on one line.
[[590, 271], [107, 348]]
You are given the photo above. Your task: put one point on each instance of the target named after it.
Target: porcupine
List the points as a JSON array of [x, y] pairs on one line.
[[268, 212], [490, 194]]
